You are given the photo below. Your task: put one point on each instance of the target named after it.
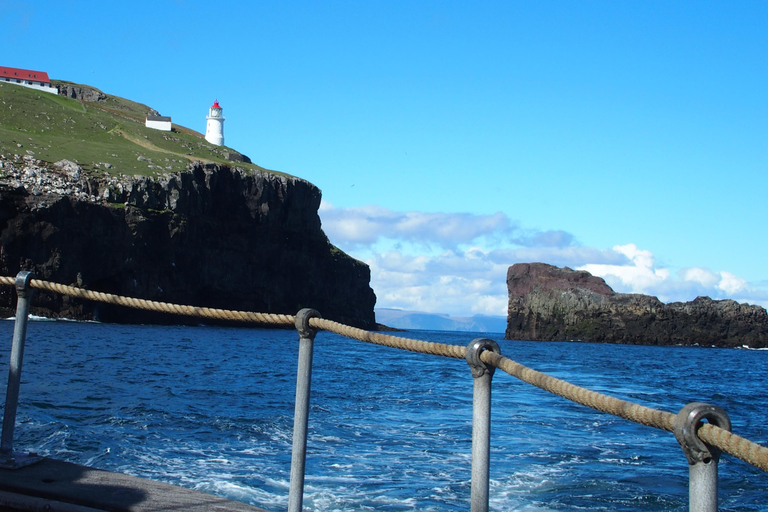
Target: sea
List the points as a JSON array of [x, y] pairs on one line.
[[211, 408]]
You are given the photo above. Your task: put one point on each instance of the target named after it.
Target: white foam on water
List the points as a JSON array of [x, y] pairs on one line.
[[311, 481], [238, 491], [37, 318], [518, 492]]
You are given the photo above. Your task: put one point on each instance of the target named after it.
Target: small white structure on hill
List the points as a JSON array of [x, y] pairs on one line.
[[27, 78], [214, 130], [158, 122]]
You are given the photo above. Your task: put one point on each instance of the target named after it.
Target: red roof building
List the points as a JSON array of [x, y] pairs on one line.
[[27, 78], [24, 74]]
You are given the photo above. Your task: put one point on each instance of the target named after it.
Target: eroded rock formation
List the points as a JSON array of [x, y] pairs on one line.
[[560, 304], [211, 236]]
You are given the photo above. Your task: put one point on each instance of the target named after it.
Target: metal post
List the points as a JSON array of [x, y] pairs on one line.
[[702, 458], [301, 413], [9, 459], [481, 421]]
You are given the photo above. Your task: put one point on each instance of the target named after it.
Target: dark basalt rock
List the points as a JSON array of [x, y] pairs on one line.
[[560, 304], [81, 93], [211, 236], [234, 156]]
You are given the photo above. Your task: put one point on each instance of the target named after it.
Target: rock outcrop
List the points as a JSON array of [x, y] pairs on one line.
[[212, 236], [88, 94], [560, 304]]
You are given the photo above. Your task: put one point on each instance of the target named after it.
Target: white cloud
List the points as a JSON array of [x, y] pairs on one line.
[[731, 285], [638, 276], [705, 277], [456, 263], [641, 275], [367, 225], [572, 256], [452, 283]]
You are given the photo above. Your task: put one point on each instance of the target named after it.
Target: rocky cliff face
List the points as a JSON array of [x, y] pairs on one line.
[[82, 93], [559, 304], [211, 236]]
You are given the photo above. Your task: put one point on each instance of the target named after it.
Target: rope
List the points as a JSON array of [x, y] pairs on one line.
[[744, 449], [164, 307], [628, 410], [728, 442], [423, 347], [713, 435]]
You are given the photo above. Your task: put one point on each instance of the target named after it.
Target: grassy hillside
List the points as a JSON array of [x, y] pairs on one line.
[[107, 136]]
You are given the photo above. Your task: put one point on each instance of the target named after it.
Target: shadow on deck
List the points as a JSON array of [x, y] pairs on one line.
[[52, 485]]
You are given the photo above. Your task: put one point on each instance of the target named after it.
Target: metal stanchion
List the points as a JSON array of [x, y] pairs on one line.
[[301, 413], [9, 458], [702, 458], [481, 422]]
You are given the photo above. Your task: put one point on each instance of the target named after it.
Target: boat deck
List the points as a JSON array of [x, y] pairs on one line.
[[53, 485]]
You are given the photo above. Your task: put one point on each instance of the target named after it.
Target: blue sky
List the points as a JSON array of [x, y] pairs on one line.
[[453, 139]]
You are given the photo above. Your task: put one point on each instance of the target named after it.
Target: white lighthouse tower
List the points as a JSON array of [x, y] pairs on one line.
[[214, 130]]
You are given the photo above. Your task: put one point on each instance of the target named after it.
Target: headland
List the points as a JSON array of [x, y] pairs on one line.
[[549, 303]]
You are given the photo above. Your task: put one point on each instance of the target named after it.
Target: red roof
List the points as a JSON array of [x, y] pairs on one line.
[[216, 104], [24, 74]]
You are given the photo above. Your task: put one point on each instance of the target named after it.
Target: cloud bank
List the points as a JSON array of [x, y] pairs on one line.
[[456, 263], [641, 275]]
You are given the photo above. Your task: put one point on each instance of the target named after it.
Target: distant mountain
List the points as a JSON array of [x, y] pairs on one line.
[[401, 319]]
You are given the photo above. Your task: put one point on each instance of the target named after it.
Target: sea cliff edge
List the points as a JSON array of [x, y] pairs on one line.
[[213, 236]]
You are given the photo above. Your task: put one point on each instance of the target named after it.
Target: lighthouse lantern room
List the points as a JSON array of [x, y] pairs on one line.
[[214, 130]]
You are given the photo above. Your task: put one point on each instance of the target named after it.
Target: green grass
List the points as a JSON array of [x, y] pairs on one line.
[[93, 135], [115, 104]]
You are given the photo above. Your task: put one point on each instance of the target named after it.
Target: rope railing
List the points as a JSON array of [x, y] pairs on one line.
[[739, 447], [628, 410], [159, 307], [386, 340]]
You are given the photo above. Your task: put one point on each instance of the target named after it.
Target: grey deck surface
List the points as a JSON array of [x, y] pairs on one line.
[[62, 486]]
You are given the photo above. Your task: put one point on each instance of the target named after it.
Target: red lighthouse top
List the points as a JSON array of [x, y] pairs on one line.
[[216, 104]]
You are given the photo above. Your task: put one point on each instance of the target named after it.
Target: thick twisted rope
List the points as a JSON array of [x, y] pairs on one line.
[[713, 435], [728, 442], [628, 410], [744, 449], [423, 347], [164, 307]]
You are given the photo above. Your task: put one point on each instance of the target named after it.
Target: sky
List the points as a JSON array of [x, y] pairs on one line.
[[454, 139]]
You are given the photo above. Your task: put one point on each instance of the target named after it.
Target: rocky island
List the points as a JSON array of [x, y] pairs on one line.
[[549, 303], [90, 197]]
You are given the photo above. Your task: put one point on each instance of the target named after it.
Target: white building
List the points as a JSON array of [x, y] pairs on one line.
[[158, 122], [27, 78], [214, 130]]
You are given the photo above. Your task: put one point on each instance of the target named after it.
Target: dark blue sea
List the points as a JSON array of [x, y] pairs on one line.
[[212, 409]]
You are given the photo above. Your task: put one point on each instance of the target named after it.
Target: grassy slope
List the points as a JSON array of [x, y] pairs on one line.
[[111, 132]]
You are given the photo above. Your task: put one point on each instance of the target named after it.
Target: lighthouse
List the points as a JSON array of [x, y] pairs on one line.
[[214, 130]]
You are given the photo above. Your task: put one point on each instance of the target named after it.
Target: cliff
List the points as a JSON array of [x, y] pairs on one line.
[[208, 236], [560, 304]]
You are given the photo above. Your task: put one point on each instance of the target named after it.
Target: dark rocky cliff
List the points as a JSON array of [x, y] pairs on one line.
[[560, 304], [212, 236]]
